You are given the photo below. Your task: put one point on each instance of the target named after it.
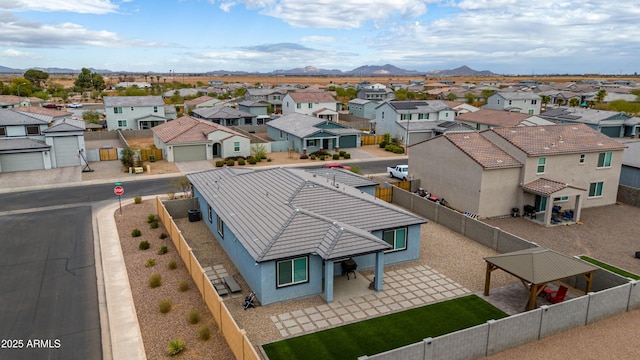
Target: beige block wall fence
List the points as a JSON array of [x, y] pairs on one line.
[[236, 338]]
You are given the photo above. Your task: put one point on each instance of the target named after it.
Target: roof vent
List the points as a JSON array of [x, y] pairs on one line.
[[499, 161]]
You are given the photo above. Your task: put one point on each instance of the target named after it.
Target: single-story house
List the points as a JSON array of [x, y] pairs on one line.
[[188, 138], [225, 115], [288, 231], [311, 133]]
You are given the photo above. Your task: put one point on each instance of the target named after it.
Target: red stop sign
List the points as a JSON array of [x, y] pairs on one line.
[[118, 190]]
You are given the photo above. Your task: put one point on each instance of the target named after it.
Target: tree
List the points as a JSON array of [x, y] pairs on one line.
[[486, 93], [128, 157], [470, 98], [545, 100], [37, 77], [574, 102], [21, 87], [87, 80], [452, 96], [600, 95], [91, 116], [182, 183]]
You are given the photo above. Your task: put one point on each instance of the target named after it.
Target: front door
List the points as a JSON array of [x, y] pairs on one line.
[[325, 144], [541, 203]]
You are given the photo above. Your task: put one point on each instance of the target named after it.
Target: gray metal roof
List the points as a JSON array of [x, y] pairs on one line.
[[302, 125], [281, 212], [631, 155], [118, 101], [583, 115], [65, 125], [14, 117], [342, 176], [18, 145], [519, 95], [540, 265]]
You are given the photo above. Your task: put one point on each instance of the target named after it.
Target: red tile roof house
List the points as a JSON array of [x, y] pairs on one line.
[[491, 172], [188, 139]]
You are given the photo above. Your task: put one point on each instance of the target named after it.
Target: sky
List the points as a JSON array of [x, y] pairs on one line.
[[511, 37]]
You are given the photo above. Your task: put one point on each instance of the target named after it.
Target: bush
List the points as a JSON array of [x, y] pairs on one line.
[[231, 162], [151, 218], [163, 250], [312, 157], [241, 161], [322, 157], [175, 347], [342, 153], [163, 236], [150, 263], [347, 156], [136, 232], [336, 156], [304, 157], [398, 150], [252, 161], [219, 163], [269, 159], [172, 265], [144, 245], [165, 305], [194, 316], [184, 285], [137, 199], [204, 332], [383, 144], [153, 225], [155, 280]]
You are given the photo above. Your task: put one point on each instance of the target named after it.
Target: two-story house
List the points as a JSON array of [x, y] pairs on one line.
[[225, 115], [258, 108], [270, 96], [134, 112], [376, 94], [363, 108], [494, 171], [28, 143], [611, 123], [288, 231], [484, 119], [315, 103], [414, 121], [517, 101]]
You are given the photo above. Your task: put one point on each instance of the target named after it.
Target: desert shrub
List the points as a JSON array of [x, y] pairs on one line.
[[150, 263], [231, 162], [163, 236], [172, 265], [336, 156], [151, 218], [342, 153], [219, 163], [312, 157], [171, 195], [304, 157], [163, 250], [153, 225], [155, 280], [322, 157], [269, 159], [144, 245], [347, 156], [164, 305], [184, 285], [241, 161], [204, 332], [252, 161], [136, 232], [398, 150], [137, 199], [382, 144], [194, 316], [175, 347]]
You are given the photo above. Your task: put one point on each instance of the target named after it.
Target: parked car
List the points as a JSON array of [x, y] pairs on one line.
[[74, 105], [336, 165], [399, 171], [51, 106]]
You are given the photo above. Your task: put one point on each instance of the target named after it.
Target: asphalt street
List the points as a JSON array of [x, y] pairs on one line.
[[48, 291]]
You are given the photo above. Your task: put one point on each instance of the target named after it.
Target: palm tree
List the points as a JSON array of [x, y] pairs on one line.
[[545, 100], [600, 95], [574, 102]]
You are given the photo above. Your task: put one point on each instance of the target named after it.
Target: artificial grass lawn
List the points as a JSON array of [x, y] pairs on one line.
[[611, 268], [387, 332]]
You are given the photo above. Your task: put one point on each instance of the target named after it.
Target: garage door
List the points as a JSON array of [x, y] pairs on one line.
[[66, 149], [21, 162], [348, 141], [189, 152], [611, 131]]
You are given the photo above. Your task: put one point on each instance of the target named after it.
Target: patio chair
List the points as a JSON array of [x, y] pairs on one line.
[[558, 296]]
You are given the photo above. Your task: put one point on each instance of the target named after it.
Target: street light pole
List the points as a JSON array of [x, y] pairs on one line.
[[19, 101]]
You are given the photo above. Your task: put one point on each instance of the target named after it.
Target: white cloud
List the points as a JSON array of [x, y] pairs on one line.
[[14, 53], [76, 6], [316, 39]]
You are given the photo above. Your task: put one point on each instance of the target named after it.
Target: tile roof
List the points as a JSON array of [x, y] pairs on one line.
[[302, 125], [494, 117], [631, 155], [482, 151], [579, 114], [342, 176], [201, 99], [44, 111], [222, 112], [557, 139], [418, 106], [546, 187], [519, 95], [117, 101], [312, 97], [187, 129], [66, 124], [282, 212]]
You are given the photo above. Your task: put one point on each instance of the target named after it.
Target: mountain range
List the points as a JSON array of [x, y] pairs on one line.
[[367, 70]]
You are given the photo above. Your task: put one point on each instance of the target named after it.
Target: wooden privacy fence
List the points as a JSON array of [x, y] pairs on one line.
[[108, 154], [145, 153], [371, 139], [236, 338], [386, 193]]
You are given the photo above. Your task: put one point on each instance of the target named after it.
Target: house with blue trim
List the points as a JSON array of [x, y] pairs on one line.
[[288, 231]]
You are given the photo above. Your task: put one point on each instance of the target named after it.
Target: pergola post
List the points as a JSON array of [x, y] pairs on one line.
[[487, 278], [589, 278]]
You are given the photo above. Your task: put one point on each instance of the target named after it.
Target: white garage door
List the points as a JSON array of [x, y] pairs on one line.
[[66, 149], [21, 162], [189, 152]]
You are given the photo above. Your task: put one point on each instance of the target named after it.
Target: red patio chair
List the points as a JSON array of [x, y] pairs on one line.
[[558, 296]]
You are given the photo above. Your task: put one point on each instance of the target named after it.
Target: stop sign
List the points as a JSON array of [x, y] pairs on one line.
[[118, 190]]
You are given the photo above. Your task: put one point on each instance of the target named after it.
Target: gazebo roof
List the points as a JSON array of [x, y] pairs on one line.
[[540, 265]]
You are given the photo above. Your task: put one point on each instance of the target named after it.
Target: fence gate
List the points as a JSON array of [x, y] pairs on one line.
[[145, 153], [371, 139], [384, 193], [108, 154]]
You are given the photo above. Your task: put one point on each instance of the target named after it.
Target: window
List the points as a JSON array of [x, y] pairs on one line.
[[561, 199], [542, 162], [3, 131], [299, 106], [582, 157], [236, 146], [248, 121], [604, 159], [293, 271], [117, 110], [446, 114], [383, 114], [33, 130], [423, 116], [530, 111], [280, 134], [122, 123], [509, 102], [132, 108], [310, 105], [405, 116], [276, 97], [311, 143], [533, 102], [396, 238], [210, 214], [220, 226], [498, 101], [595, 189], [155, 109]]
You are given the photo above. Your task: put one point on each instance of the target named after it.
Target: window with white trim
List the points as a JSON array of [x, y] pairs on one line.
[[405, 116], [595, 189], [122, 123], [310, 105], [236, 146], [582, 158], [299, 105], [561, 199], [396, 238], [604, 160], [311, 143], [117, 110], [3, 131], [292, 271], [33, 130], [542, 163], [155, 109], [220, 226], [210, 213]]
